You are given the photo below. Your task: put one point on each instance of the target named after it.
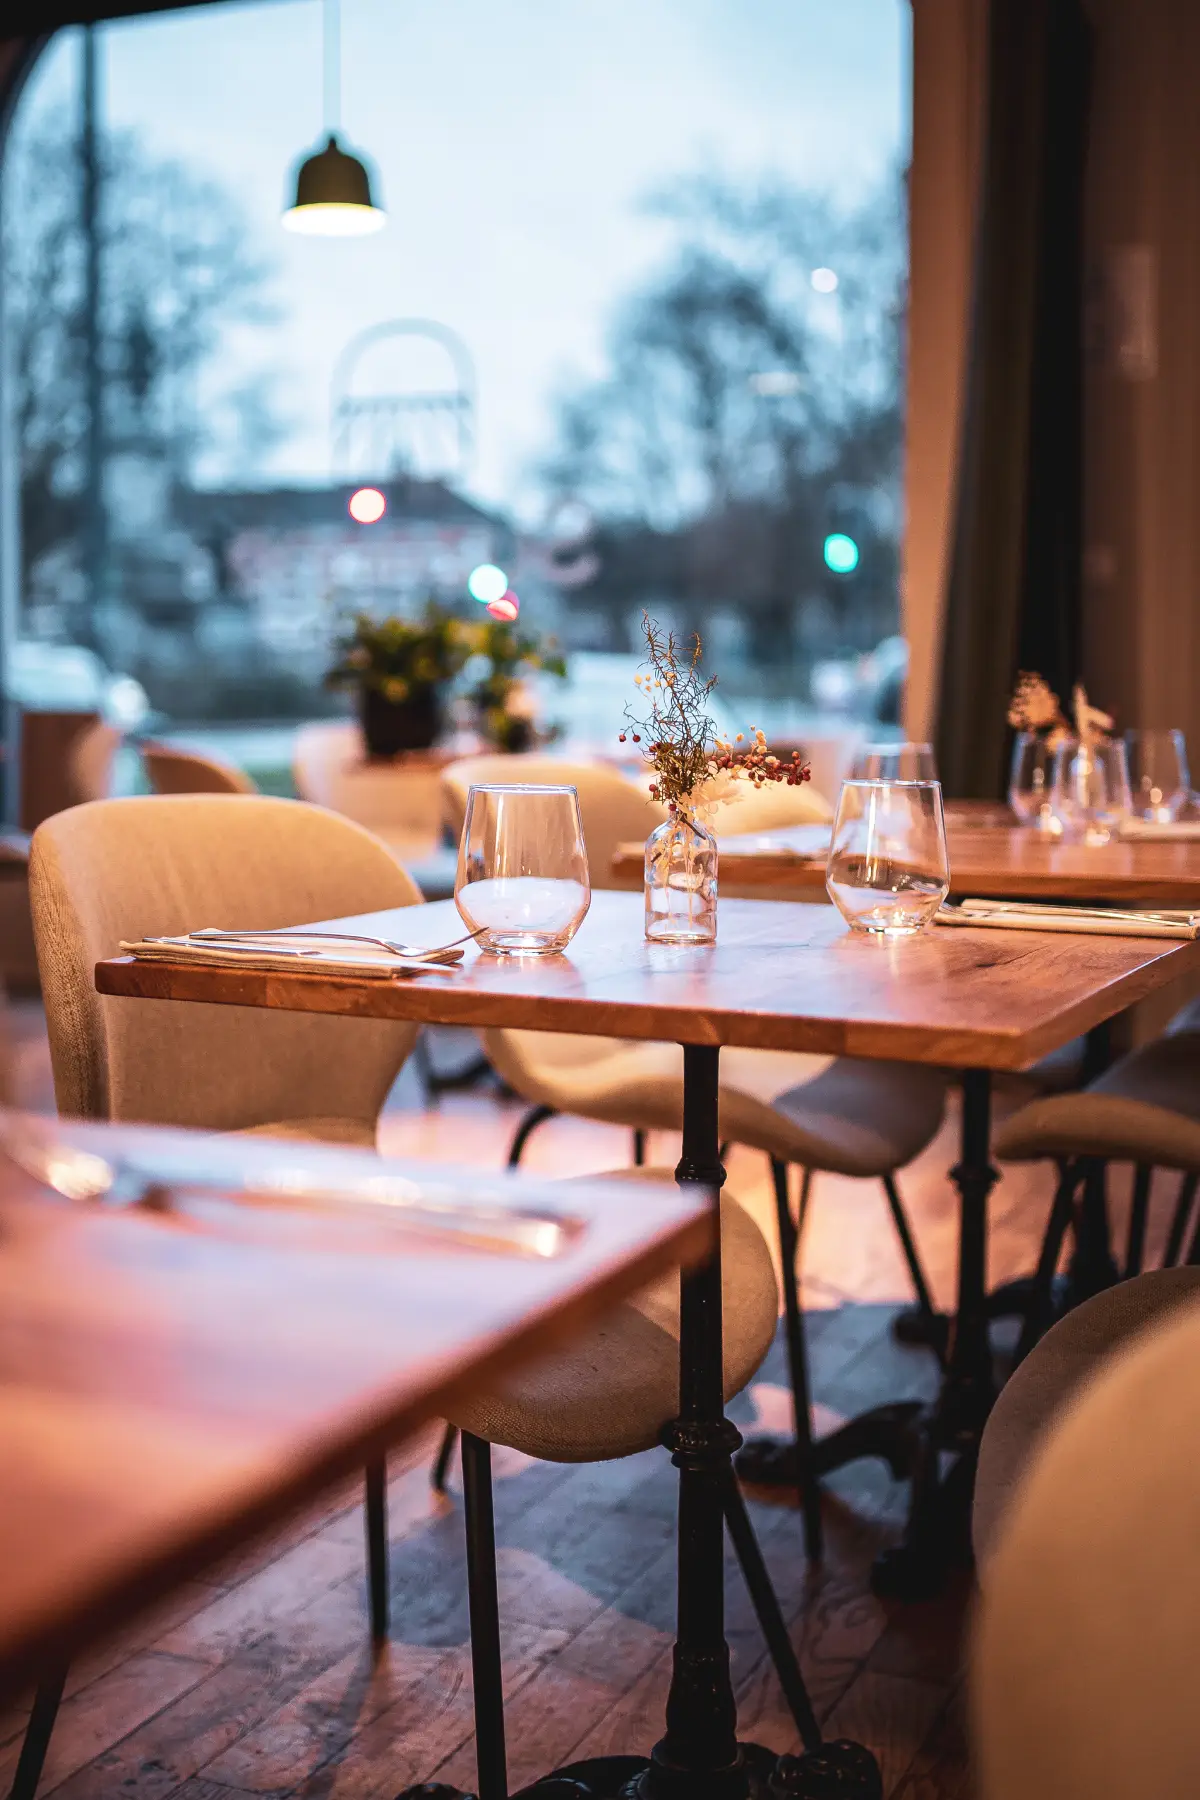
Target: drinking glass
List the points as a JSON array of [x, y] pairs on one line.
[[894, 762], [888, 870], [522, 868], [1091, 794], [1158, 774], [1031, 781]]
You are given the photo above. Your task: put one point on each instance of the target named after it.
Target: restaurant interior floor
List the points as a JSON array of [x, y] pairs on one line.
[[259, 1679]]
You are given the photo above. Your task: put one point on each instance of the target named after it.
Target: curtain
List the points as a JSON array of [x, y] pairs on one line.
[[1014, 591]]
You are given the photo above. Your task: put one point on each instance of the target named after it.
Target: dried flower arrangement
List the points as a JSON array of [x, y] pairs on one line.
[[1035, 708], [694, 770]]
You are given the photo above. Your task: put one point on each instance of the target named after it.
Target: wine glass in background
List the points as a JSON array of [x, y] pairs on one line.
[[1158, 774], [1090, 794], [1031, 781], [522, 868], [888, 869], [894, 762]]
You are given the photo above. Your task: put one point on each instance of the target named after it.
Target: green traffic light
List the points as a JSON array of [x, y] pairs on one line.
[[841, 553]]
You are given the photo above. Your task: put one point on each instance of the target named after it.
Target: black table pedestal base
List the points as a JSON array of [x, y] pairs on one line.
[[889, 1432], [837, 1771]]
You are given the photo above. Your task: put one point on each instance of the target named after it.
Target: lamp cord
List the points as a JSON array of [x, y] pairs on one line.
[[333, 67]]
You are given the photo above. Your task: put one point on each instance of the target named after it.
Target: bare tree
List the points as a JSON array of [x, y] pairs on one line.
[[177, 274]]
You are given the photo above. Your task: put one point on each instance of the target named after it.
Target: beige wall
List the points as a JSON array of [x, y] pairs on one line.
[[949, 39]]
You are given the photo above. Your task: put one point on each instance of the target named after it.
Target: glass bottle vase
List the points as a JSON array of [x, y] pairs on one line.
[[681, 884]]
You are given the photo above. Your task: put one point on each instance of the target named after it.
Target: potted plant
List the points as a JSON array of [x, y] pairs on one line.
[[500, 695], [398, 669]]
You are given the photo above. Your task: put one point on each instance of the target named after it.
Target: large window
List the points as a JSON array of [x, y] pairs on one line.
[[633, 330]]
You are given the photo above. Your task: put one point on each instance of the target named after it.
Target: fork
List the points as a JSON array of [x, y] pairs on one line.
[[410, 952]]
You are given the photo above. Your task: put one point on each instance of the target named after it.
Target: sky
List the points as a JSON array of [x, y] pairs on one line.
[[513, 144]]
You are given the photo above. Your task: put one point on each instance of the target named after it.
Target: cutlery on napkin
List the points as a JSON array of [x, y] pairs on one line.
[[168, 1180], [270, 953], [1022, 915]]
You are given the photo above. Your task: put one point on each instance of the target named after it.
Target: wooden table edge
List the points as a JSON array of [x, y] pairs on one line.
[[991, 1047], [125, 1593]]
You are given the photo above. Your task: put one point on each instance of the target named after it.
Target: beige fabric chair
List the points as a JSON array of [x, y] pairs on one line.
[[122, 868], [1144, 1110], [174, 771], [400, 802], [1088, 1636]]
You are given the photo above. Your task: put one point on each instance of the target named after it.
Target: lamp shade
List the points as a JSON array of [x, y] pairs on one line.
[[333, 196]]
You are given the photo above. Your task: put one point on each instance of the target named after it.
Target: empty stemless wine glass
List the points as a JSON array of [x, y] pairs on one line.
[[1158, 774], [1091, 794], [888, 870], [1031, 781], [522, 868], [894, 762]]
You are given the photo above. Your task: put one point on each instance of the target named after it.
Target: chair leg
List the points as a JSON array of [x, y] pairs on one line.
[[1179, 1223], [1135, 1243], [1193, 1254], [537, 1115], [441, 1462], [806, 1181], [377, 1549], [810, 1491], [1039, 1304], [639, 1149], [37, 1736], [490, 1754], [908, 1245], [770, 1618]]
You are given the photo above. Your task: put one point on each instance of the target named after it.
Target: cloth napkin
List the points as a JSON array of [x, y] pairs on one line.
[[1016, 915], [1160, 831], [322, 956]]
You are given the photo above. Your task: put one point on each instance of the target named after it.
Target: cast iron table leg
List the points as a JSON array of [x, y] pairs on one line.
[[699, 1756], [939, 1515]]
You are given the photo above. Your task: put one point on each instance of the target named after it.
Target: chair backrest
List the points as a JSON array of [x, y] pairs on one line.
[[174, 771], [1088, 1635], [613, 810], [148, 865], [90, 764], [399, 801], [771, 807]]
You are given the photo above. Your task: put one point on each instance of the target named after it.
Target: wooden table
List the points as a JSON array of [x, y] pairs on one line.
[[780, 977], [987, 859], [170, 1387]]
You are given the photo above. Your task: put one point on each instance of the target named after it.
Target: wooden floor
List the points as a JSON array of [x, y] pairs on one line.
[[259, 1680]]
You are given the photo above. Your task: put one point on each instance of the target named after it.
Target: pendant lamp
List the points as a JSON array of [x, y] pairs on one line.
[[333, 189]]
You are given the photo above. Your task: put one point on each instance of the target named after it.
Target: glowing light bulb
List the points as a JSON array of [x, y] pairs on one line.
[[841, 553], [367, 506], [505, 607], [487, 583]]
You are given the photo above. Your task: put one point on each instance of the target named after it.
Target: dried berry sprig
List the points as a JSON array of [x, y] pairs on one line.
[[694, 770]]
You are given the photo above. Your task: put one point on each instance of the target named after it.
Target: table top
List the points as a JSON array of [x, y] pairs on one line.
[[989, 857], [173, 1383], [781, 977]]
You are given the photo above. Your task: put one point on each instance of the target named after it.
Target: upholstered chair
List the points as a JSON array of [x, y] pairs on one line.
[[122, 869], [1087, 1520], [861, 1119], [174, 771], [1144, 1110]]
